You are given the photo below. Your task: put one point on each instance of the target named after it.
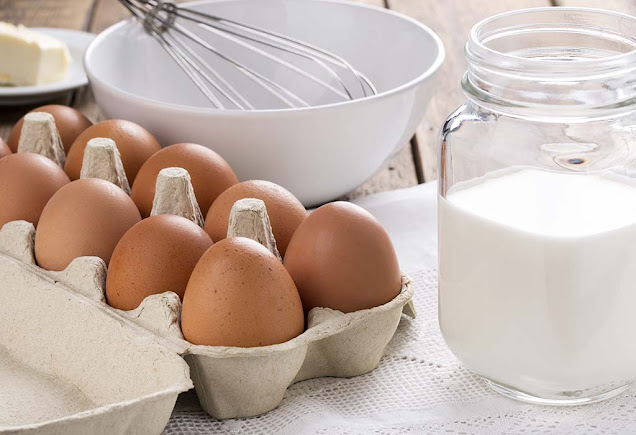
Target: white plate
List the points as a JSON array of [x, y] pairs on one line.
[[77, 42]]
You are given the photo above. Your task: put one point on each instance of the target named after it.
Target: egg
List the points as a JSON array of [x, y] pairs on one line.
[[342, 258], [156, 255], [210, 174], [240, 295], [4, 149], [135, 144], [27, 182], [69, 121], [285, 211], [84, 218]]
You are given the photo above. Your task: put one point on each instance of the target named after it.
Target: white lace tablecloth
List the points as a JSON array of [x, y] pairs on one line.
[[419, 386]]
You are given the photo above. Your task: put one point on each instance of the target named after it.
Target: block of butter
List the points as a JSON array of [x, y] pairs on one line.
[[30, 58]]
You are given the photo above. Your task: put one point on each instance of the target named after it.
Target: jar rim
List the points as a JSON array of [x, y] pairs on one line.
[[478, 52], [555, 62]]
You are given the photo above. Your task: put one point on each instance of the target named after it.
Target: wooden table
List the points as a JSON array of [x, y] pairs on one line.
[[450, 19]]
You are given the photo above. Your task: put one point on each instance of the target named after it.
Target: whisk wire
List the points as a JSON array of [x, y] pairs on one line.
[[168, 22], [268, 84], [160, 21], [235, 95], [275, 36], [190, 68], [227, 34]]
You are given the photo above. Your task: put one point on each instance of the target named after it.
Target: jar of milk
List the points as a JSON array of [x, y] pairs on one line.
[[537, 206]]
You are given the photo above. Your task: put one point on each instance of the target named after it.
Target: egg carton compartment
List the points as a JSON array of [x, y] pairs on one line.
[[67, 364], [236, 382], [230, 382]]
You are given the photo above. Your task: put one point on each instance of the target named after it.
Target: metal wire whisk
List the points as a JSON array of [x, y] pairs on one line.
[[165, 22]]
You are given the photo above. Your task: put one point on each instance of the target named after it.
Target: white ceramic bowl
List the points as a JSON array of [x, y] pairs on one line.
[[318, 153]]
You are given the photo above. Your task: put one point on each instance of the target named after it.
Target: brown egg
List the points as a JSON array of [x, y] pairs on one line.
[[27, 182], [84, 218], [284, 210], [69, 121], [4, 149], [135, 144], [211, 175], [341, 258], [156, 255], [240, 295]]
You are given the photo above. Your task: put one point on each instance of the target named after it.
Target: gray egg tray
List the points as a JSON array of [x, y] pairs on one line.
[[230, 382]]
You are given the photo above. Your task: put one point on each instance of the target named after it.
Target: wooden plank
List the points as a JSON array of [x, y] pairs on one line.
[[400, 172], [451, 20], [72, 14], [624, 6]]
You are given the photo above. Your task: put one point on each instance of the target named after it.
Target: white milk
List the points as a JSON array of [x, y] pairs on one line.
[[538, 280]]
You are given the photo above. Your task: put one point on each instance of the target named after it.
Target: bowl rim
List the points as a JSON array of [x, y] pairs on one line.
[[430, 71]]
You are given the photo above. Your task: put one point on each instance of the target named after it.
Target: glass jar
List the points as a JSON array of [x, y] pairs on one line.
[[537, 206]]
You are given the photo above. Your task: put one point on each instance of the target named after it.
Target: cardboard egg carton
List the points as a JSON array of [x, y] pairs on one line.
[[230, 382], [69, 365]]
